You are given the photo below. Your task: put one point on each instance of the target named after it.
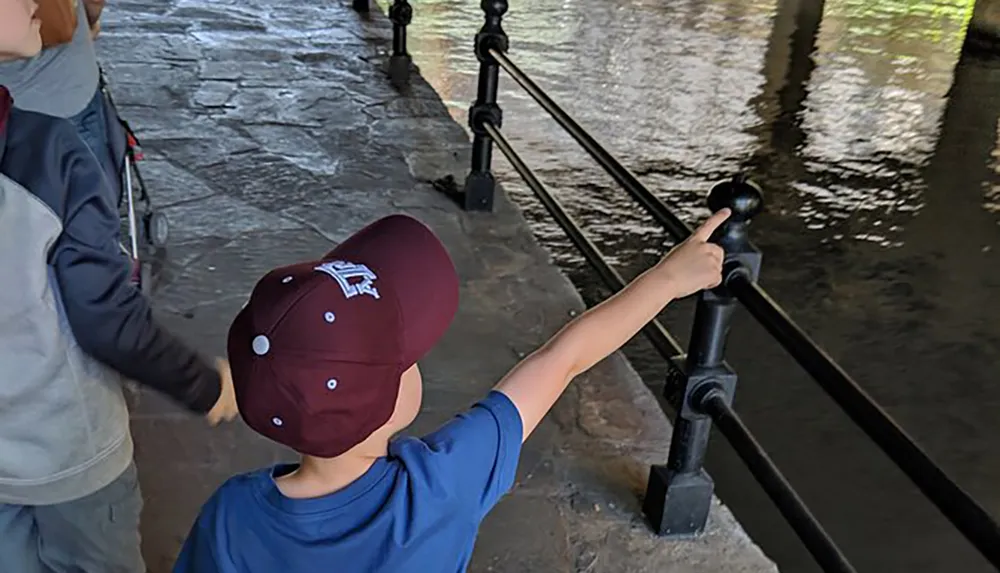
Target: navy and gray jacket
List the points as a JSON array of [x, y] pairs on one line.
[[72, 325]]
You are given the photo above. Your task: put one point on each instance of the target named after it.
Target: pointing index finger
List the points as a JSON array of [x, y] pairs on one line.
[[704, 232]]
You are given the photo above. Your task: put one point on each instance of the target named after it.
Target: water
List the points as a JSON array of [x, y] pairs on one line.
[[878, 145]]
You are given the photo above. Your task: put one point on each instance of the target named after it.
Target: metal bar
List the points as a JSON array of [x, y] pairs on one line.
[[965, 513], [679, 495], [400, 14], [482, 153], [398, 40], [661, 339], [677, 228], [479, 183], [712, 318], [688, 446], [810, 531]]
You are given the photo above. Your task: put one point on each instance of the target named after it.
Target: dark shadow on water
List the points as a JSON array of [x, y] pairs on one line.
[[917, 326]]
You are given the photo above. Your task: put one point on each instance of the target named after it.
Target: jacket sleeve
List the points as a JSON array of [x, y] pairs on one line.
[[109, 317]]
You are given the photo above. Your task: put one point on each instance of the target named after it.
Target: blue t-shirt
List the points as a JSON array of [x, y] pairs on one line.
[[417, 510]]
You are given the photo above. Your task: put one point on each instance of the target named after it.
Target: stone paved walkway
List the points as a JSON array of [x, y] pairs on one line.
[[271, 133]]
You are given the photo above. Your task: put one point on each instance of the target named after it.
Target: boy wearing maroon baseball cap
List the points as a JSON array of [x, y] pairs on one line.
[[324, 360]]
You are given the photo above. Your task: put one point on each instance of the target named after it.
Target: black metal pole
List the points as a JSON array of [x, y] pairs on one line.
[[479, 184], [401, 14], [677, 228], [679, 495], [957, 505], [810, 531]]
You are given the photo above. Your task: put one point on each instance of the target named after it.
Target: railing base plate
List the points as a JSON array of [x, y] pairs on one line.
[[478, 194], [399, 70], [677, 505]]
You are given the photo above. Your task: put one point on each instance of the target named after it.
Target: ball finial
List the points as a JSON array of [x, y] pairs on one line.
[[494, 7], [741, 195]]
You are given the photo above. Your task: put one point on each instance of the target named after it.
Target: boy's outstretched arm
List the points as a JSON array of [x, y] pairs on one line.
[[536, 383]]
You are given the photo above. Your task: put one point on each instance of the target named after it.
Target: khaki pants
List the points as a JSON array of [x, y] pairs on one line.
[[95, 534]]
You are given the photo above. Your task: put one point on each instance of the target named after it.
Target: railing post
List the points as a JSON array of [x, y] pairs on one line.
[[479, 185], [679, 495], [401, 14]]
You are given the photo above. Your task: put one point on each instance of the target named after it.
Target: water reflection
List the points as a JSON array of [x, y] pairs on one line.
[[880, 153], [652, 64], [686, 75], [873, 110]]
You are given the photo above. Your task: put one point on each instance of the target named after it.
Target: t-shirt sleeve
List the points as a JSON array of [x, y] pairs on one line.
[[475, 454], [191, 551], [198, 552]]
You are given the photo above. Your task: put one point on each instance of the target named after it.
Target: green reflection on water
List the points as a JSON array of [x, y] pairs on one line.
[[903, 27]]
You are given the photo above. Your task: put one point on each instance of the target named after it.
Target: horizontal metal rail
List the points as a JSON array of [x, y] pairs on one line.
[[677, 228], [956, 504], [813, 536], [965, 513], [658, 336]]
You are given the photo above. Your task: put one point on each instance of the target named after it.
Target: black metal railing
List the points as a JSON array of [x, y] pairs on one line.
[[679, 494], [658, 336], [400, 14]]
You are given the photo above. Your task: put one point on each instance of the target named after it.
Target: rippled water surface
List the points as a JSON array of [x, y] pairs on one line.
[[878, 145]]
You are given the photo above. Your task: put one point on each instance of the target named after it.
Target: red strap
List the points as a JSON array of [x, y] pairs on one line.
[[6, 103]]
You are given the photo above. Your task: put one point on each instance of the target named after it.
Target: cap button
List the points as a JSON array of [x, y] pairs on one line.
[[261, 345]]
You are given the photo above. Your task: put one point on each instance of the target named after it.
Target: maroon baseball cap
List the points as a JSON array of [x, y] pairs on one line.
[[318, 350]]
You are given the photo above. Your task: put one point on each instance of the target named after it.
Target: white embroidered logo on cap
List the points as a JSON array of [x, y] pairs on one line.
[[343, 272]]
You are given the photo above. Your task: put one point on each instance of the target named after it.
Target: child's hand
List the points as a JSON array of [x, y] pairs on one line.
[[225, 408], [695, 264]]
